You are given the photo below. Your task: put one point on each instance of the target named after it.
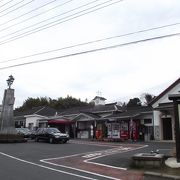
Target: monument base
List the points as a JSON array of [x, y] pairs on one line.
[[148, 160], [11, 138], [172, 163]]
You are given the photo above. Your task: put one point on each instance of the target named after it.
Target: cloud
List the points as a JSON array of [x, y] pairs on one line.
[[118, 73]]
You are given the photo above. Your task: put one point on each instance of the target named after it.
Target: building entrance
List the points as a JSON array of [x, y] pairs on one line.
[[167, 128]]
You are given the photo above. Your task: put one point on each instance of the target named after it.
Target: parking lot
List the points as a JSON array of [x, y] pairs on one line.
[[73, 160]]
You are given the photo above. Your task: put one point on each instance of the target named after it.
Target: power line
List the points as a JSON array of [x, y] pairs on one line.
[[15, 24], [56, 23], [6, 3], [17, 7], [91, 51], [91, 42], [33, 11], [27, 12], [12, 6], [92, 2], [63, 48]]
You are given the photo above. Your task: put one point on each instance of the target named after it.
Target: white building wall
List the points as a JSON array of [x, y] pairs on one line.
[[173, 128], [33, 120], [147, 116], [156, 115], [99, 101], [158, 134], [157, 125], [165, 99]]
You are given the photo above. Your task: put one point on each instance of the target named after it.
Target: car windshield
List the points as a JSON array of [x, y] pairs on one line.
[[25, 130], [53, 130], [20, 130]]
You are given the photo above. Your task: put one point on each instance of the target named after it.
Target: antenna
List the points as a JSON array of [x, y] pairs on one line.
[[99, 93]]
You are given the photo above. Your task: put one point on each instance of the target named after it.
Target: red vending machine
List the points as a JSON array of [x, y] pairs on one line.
[[124, 130]]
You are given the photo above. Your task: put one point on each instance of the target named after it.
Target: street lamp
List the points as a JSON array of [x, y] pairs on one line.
[[10, 81], [176, 103]]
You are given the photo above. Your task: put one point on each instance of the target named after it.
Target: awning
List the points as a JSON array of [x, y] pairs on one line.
[[59, 121]]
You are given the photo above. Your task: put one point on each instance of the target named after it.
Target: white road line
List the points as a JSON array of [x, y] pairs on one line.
[[105, 165], [84, 171], [113, 152], [87, 160], [78, 154], [94, 143], [46, 167]]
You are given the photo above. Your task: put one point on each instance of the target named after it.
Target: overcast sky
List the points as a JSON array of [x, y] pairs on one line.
[[118, 73]]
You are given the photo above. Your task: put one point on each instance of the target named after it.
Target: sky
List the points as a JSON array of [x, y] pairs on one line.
[[89, 47]]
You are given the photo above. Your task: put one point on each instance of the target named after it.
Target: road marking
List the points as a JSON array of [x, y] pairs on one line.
[[46, 167], [110, 153], [73, 155], [98, 154], [91, 143], [105, 165], [94, 155], [103, 153], [84, 171]]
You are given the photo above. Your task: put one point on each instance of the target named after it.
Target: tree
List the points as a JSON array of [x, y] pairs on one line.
[[134, 102], [60, 103], [147, 98], [68, 102], [33, 102]]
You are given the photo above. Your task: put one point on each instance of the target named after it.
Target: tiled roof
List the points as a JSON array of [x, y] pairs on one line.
[[75, 110], [99, 97], [47, 111], [107, 107], [41, 110], [132, 112], [91, 115], [26, 112], [92, 109]]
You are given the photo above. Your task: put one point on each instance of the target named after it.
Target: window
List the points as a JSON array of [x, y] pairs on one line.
[[22, 123], [147, 121]]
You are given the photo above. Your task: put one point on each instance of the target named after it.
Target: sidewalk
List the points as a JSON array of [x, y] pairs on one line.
[[162, 173], [159, 176]]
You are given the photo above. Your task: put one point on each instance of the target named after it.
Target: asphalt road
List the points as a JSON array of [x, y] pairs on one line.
[[38, 160]]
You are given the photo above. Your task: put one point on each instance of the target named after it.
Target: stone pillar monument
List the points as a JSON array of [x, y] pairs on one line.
[[7, 126]]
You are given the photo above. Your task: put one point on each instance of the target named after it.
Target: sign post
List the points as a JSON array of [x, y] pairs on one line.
[[176, 102]]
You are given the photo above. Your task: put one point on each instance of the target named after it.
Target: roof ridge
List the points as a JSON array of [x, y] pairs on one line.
[[165, 91], [39, 110]]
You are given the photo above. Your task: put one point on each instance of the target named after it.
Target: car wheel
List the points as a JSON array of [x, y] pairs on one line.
[[64, 141], [51, 140]]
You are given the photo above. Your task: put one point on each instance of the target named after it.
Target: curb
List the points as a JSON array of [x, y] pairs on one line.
[[162, 175]]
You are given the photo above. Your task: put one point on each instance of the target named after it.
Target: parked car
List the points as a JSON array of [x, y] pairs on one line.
[[52, 135], [33, 134], [25, 132]]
